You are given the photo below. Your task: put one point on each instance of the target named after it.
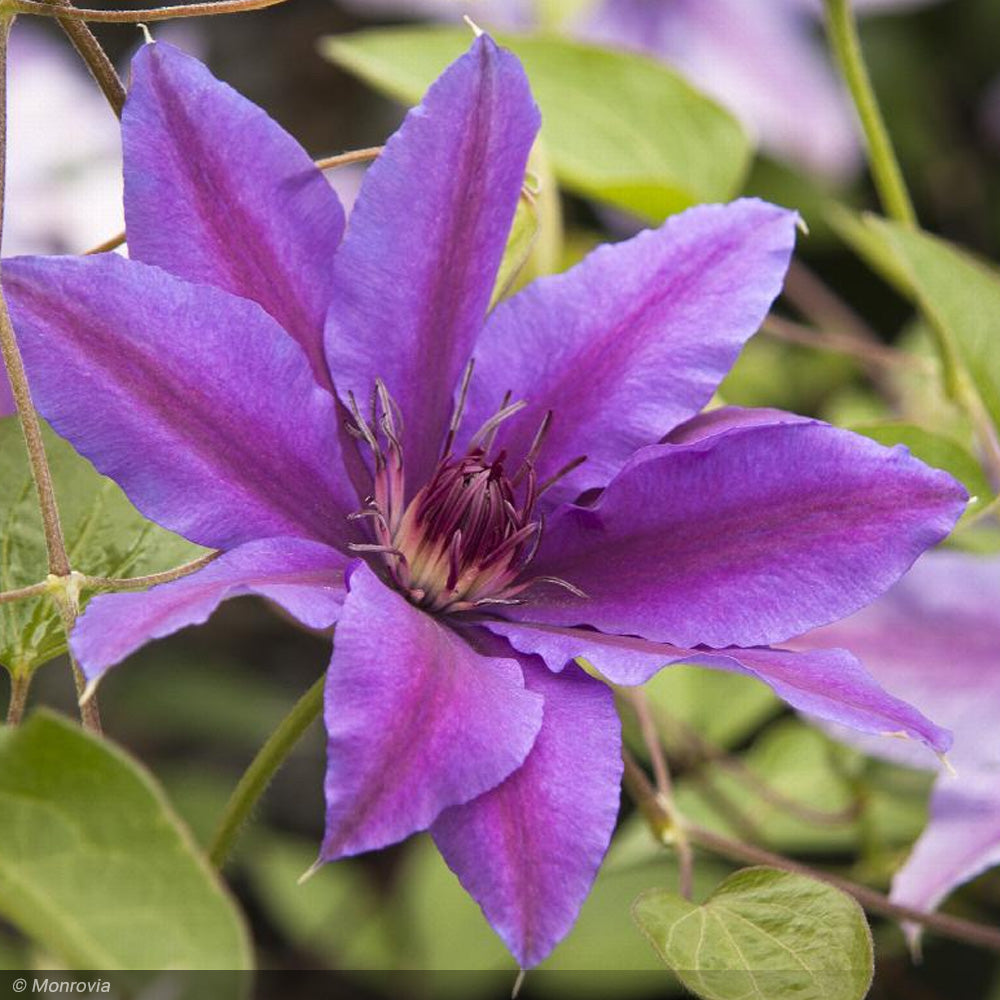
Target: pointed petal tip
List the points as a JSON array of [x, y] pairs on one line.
[[518, 983], [310, 871], [89, 690], [946, 763]]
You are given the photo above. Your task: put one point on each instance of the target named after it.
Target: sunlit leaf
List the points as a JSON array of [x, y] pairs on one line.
[[763, 934], [96, 867], [619, 127], [958, 294]]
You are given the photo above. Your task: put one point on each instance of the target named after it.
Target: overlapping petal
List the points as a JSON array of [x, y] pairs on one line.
[[195, 401], [217, 192], [7, 406], [528, 850], [414, 276], [417, 721], [827, 683], [305, 578], [743, 538], [632, 341]]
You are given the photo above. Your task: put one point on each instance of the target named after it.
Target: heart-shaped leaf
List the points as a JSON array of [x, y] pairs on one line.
[[764, 934]]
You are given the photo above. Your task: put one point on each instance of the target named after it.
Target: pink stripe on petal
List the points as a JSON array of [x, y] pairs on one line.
[[416, 720], [217, 192], [528, 851]]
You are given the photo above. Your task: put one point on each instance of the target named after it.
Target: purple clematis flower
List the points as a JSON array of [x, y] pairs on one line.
[[475, 500], [935, 640]]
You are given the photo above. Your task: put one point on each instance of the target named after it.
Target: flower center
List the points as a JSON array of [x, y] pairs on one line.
[[465, 539]]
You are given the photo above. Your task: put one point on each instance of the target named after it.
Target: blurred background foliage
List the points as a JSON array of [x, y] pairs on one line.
[[197, 707]]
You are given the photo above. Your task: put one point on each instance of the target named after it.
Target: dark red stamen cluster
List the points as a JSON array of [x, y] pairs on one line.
[[465, 539]]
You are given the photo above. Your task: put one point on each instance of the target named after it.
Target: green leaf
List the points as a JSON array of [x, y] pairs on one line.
[[96, 867], [958, 294], [763, 934], [619, 127], [793, 791], [723, 709], [336, 916], [105, 536], [937, 450]]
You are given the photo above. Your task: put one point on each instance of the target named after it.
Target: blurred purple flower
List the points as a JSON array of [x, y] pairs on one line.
[[63, 187], [934, 640], [309, 406], [765, 60]]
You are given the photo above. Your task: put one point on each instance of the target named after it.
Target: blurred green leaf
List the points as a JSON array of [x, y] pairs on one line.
[[619, 127], [960, 296], [793, 791], [520, 244], [937, 450], [787, 376], [865, 241], [335, 916], [722, 708], [763, 934], [105, 536], [957, 293], [95, 865]]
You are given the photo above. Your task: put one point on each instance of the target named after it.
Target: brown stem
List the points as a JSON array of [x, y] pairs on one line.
[[19, 684], [97, 61], [955, 928], [352, 156], [111, 243], [14, 364], [822, 306], [327, 163], [89, 712], [651, 739], [702, 750], [867, 352], [671, 831], [55, 544], [42, 9], [24, 593], [151, 579]]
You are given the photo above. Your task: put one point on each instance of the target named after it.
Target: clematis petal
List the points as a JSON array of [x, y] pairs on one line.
[[632, 341], [829, 684], [962, 840], [730, 418], [305, 578], [528, 850], [413, 278], [193, 400], [744, 538], [7, 405], [416, 720], [217, 192]]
